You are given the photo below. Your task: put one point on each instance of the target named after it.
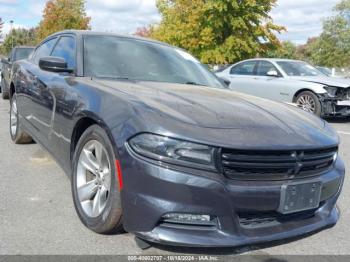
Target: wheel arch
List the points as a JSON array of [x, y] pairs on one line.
[[87, 120], [302, 90]]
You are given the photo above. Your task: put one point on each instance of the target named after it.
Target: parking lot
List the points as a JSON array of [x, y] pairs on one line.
[[38, 217]]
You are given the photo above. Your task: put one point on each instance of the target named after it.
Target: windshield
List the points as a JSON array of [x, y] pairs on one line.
[[22, 53], [132, 59], [325, 70], [298, 68]]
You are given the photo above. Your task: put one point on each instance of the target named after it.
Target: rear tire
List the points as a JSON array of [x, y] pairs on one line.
[[18, 136], [95, 186], [309, 102]]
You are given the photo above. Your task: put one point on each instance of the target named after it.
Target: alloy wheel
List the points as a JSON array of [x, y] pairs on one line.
[[93, 178], [307, 103], [13, 117]]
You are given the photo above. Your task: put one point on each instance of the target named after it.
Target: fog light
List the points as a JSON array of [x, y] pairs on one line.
[[191, 218]]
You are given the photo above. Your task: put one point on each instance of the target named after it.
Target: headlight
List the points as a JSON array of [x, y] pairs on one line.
[[173, 151], [331, 90]]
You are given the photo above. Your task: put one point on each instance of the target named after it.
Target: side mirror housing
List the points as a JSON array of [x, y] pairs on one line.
[[272, 73], [225, 81], [54, 64]]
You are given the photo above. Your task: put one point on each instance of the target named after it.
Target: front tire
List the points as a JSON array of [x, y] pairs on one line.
[[18, 136], [95, 189], [309, 102]]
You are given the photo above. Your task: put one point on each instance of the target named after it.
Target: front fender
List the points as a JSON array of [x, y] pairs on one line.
[[314, 87]]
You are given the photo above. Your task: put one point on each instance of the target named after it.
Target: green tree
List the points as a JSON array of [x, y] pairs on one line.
[[307, 50], [63, 14], [218, 31], [17, 37], [287, 50], [332, 48]]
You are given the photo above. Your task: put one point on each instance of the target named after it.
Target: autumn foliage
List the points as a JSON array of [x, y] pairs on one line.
[[59, 15], [218, 31], [143, 32]]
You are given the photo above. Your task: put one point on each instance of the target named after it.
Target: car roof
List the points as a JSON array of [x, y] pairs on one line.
[[97, 33], [273, 60]]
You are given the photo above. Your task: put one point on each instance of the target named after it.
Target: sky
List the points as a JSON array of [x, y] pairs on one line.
[[303, 18]]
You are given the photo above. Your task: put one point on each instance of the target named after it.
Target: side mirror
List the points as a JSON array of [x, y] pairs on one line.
[[225, 81], [54, 64], [272, 73]]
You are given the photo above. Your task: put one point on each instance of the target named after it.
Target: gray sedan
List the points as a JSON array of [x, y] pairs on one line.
[[291, 81]]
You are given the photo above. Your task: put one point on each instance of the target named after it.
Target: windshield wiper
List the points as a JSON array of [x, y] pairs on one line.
[[114, 77], [194, 83]]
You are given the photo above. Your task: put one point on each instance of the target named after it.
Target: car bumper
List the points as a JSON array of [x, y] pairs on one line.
[[178, 237], [343, 108], [150, 191], [335, 107]]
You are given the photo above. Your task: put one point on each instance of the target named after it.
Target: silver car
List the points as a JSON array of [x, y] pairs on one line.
[[291, 81]]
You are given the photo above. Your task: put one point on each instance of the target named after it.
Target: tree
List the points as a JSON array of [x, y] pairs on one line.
[[287, 50], [332, 48], [63, 14], [17, 37], [306, 51], [143, 31], [218, 31]]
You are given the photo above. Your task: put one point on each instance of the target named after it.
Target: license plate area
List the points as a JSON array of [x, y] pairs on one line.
[[300, 197], [343, 103]]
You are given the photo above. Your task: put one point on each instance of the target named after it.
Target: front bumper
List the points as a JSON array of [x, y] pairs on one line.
[[335, 107], [151, 191], [179, 237]]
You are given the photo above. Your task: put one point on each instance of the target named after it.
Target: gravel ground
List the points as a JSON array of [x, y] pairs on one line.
[[37, 214]]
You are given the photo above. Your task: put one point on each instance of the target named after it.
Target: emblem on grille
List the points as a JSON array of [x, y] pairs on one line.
[[298, 156]]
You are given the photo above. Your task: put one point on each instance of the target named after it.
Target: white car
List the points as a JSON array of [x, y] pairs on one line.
[[290, 81]]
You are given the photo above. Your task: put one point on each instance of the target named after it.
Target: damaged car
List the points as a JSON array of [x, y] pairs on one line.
[[291, 81]]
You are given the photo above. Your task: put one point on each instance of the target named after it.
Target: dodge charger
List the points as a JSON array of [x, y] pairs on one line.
[[156, 145]]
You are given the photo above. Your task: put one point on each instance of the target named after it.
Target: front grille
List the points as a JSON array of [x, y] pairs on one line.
[[270, 219], [276, 165]]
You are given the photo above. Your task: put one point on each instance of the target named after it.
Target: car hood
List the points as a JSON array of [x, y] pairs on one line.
[[325, 80], [216, 111]]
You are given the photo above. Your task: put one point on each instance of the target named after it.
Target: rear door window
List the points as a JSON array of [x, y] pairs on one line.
[[245, 68]]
